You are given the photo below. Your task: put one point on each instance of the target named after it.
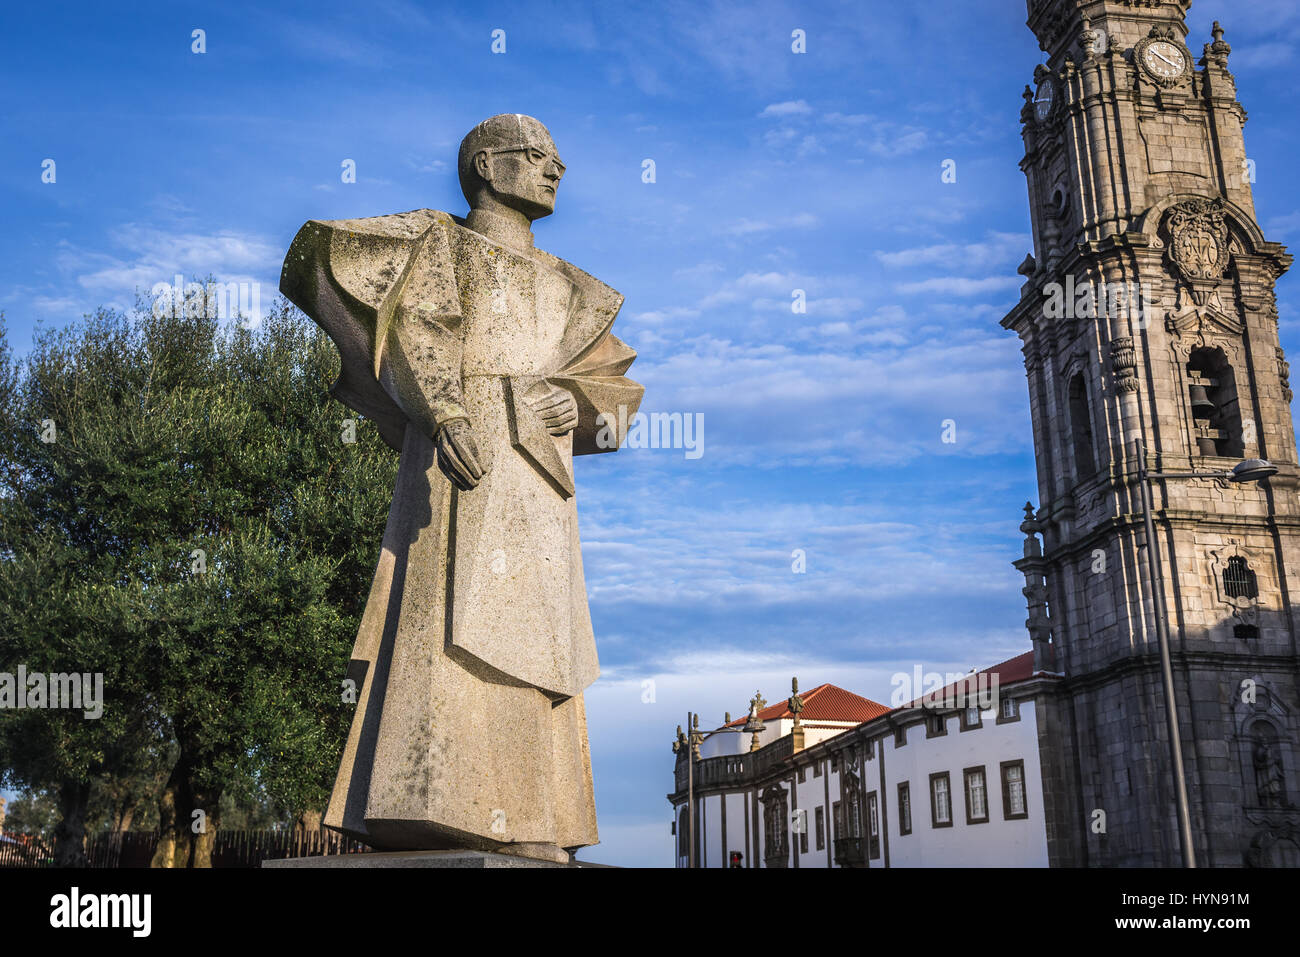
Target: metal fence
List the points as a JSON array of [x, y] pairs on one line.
[[230, 848]]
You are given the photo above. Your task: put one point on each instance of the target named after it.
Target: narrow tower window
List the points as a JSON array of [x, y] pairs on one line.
[[1081, 428]]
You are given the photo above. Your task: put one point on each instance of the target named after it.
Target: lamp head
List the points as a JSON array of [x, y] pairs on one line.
[[1253, 470]]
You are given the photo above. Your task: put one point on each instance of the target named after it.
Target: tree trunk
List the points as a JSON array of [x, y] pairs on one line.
[[70, 833], [309, 820], [174, 807], [202, 842]]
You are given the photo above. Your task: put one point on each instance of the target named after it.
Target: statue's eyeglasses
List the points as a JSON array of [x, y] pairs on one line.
[[535, 156]]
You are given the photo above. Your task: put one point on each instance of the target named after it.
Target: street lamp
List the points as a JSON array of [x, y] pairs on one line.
[[690, 745], [1250, 470]]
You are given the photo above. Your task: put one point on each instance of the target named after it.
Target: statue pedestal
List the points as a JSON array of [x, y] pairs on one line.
[[474, 860]]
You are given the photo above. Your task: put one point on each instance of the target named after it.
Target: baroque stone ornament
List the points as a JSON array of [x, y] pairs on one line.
[[1218, 51], [1123, 362], [489, 364], [1198, 245]]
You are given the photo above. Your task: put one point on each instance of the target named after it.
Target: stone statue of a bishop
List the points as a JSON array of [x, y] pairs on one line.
[[489, 364]]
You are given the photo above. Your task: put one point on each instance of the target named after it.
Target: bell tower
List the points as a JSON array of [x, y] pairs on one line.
[[1148, 321]]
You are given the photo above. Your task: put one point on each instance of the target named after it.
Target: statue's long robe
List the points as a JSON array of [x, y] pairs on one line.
[[476, 642]]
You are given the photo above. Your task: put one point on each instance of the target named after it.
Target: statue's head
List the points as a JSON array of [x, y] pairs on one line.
[[510, 159]]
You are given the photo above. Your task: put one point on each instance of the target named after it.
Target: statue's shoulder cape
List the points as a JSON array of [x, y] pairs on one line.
[[351, 275]]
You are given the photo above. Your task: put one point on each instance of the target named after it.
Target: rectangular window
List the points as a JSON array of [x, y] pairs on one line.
[[940, 800], [820, 814], [873, 825], [817, 769], [900, 736], [977, 804], [1014, 803], [837, 821], [801, 775], [971, 718], [905, 808], [835, 764], [935, 725], [1008, 711], [803, 839]]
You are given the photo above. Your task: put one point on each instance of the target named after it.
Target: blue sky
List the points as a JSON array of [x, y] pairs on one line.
[[774, 172]]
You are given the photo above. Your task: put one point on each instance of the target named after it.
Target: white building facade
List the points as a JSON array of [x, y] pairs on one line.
[[951, 780]]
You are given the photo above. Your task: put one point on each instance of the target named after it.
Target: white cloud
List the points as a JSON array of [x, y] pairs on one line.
[[150, 255], [744, 227], [847, 119], [998, 250], [788, 108]]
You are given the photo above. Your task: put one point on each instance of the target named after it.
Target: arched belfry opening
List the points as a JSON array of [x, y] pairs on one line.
[[1216, 412]]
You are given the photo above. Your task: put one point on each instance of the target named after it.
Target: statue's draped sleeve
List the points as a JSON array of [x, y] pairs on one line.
[[385, 291], [594, 362]]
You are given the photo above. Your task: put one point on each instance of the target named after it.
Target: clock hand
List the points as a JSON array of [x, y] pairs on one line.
[[1165, 58]]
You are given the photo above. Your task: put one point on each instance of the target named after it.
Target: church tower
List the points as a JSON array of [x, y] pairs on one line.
[[1148, 320]]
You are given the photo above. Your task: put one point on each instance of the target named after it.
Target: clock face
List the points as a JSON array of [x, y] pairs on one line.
[[1043, 101], [1163, 59]]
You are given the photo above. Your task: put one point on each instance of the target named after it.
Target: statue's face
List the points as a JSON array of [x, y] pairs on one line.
[[524, 172]]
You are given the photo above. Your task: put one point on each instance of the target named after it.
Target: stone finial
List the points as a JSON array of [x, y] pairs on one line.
[[1217, 52], [1031, 526], [795, 701], [755, 724], [1092, 42], [1219, 45], [726, 718], [795, 704], [679, 742]]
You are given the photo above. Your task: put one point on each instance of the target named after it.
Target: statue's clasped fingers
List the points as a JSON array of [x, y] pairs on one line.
[[458, 454], [558, 411]]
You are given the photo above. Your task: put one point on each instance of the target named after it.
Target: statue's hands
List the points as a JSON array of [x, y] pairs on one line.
[[557, 408], [458, 455]]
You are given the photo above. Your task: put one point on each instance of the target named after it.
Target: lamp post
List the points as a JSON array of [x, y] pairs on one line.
[[1250, 470], [689, 743]]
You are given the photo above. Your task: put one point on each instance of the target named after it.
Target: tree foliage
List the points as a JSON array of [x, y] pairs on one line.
[[199, 533]]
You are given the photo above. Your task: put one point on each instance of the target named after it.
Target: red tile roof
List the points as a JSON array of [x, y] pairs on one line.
[[1019, 668], [824, 703], [828, 702]]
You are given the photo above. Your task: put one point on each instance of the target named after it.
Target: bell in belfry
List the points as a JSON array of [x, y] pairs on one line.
[[1202, 407]]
